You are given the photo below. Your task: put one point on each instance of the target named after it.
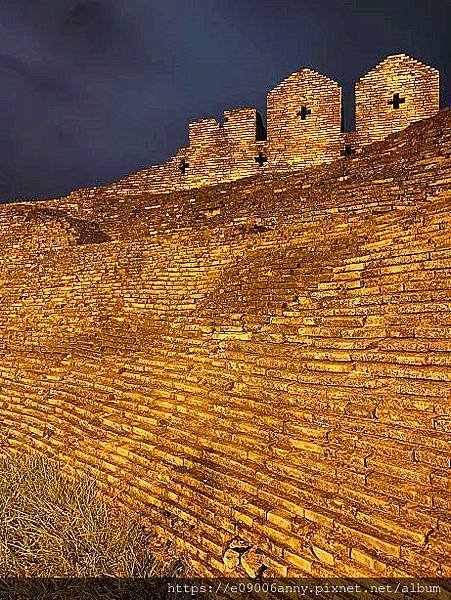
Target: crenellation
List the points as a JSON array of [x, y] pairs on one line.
[[240, 125], [304, 120], [304, 128], [397, 92]]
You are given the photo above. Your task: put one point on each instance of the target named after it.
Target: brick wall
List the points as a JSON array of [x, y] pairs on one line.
[[266, 363], [304, 128], [221, 152], [397, 92], [215, 153], [304, 120]]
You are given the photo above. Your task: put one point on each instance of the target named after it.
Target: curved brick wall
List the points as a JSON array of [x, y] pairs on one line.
[[266, 363]]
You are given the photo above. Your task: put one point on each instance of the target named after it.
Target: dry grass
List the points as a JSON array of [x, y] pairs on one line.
[[51, 526]]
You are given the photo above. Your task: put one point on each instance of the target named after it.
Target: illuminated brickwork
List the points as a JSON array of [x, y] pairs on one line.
[[215, 153], [399, 91], [304, 120], [304, 128], [262, 369]]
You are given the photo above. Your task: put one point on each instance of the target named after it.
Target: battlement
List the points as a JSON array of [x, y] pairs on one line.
[[397, 92], [304, 127], [304, 120], [203, 132]]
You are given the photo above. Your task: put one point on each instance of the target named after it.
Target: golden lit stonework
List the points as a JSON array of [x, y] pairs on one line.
[[260, 367]]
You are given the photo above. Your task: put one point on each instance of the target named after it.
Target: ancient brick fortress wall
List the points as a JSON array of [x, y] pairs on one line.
[[267, 360], [304, 120], [304, 128], [393, 95]]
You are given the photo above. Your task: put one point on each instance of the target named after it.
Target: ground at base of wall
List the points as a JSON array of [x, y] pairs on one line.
[[57, 526]]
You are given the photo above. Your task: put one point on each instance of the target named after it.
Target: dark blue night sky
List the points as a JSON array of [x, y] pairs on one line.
[[95, 89]]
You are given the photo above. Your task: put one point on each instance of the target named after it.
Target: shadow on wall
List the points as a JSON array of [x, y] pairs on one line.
[[57, 229]]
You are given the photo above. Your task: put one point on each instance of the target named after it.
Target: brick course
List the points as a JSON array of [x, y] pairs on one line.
[[260, 367]]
